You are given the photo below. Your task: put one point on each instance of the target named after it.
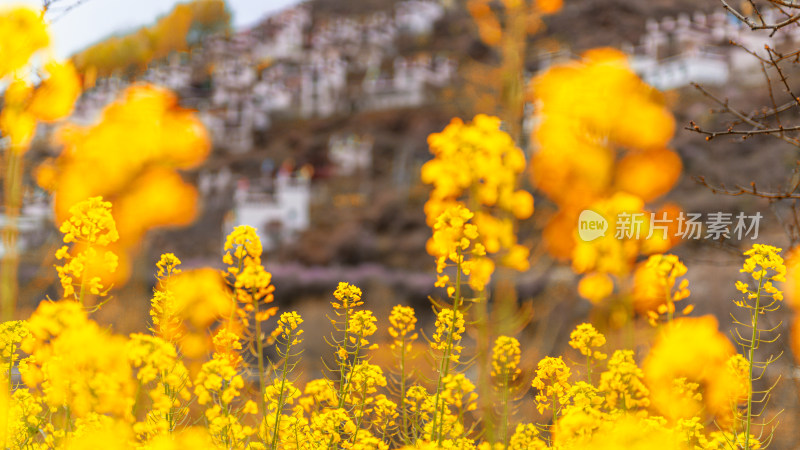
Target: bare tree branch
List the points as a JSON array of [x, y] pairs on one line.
[[61, 7], [774, 27]]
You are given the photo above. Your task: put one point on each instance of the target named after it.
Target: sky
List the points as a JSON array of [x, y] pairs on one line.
[[92, 20]]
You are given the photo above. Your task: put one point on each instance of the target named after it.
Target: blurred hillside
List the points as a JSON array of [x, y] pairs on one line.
[[184, 27], [366, 82]]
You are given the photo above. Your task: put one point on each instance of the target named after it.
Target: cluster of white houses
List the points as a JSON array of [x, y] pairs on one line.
[[291, 66], [294, 65], [677, 51], [703, 48]]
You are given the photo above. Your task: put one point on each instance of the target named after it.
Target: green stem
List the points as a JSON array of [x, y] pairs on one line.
[[83, 284], [232, 316], [504, 420], [445, 368], [9, 285], [349, 378], [361, 411], [344, 380], [260, 356], [171, 416], [555, 409], [342, 362], [403, 411], [589, 368], [228, 439], [750, 356], [274, 444]]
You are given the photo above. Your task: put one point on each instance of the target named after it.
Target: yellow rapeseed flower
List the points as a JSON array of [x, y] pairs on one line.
[[348, 296], [402, 321], [585, 338], [551, 383], [90, 222], [288, 327], [450, 324], [242, 248], [622, 383], [479, 161], [505, 358], [168, 265], [12, 334]]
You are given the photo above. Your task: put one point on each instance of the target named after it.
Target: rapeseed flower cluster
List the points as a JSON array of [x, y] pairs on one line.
[[12, 333], [505, 357], [477, 166], [656, 287], [455, 242], [167, 382], [91, 227], [164, 314], [586, 339], [81, 385], [765, 266], [403, 322]]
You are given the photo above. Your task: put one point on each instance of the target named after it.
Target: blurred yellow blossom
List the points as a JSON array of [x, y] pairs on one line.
[[505, 359], [152, 137], [22, 33], [55, 97], [601, 144], [675, 354]]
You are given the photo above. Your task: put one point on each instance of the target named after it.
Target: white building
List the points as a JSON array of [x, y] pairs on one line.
[[681, 70], [350, 154], [676, 52], [279, 216], [417, 17]]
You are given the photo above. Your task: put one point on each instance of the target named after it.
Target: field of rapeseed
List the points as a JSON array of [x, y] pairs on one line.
[[221, 366]]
